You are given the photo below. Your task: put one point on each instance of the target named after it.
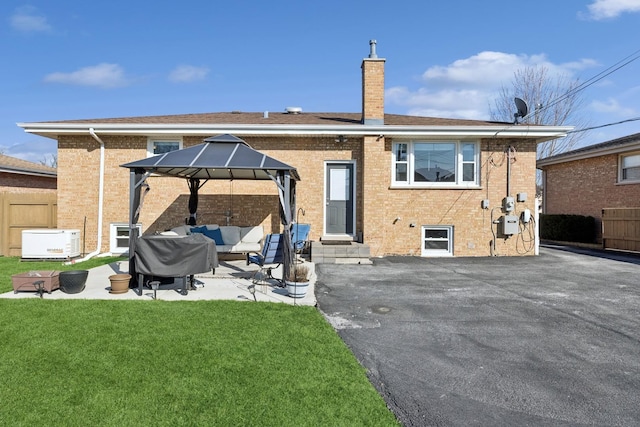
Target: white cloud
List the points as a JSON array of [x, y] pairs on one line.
[[188, 73], [466, 87], [613, 107], [608, 9], [27, 19], [102, 75], [450, 103], [487, 68]]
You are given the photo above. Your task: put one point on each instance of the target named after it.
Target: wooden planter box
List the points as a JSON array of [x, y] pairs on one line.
[[28, 281]]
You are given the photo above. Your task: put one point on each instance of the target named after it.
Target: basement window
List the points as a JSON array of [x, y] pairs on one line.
[[157, 146], [629, 170], [437, 240], [119, 237]]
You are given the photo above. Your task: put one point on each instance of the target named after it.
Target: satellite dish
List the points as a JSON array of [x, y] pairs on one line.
[[522, 107]]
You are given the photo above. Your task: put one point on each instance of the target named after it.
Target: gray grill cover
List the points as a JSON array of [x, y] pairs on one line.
[[175, 256]]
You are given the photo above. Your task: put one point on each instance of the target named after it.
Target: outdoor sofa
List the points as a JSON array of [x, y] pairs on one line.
[[228, 238]]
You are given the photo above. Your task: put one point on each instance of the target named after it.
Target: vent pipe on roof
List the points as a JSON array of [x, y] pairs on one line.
[[372, 49], [293, 110]]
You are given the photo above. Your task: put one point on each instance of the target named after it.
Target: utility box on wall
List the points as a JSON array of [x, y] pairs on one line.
[[509, 225]]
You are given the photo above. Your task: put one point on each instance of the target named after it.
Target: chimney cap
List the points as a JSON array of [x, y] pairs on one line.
[[372, 48]]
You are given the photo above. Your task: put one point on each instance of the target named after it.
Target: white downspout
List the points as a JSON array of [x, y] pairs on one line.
[[100, 199]]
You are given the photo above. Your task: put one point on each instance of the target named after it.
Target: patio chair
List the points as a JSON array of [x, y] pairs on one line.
[[300, 236], [272, 253]]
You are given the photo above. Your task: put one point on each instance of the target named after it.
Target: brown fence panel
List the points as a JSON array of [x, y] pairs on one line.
[[22, 212], [621, 229]]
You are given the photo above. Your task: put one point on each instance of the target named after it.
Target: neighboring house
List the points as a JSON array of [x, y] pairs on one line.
[[21, 176], [587, 180], [399, 184], [27, 200]]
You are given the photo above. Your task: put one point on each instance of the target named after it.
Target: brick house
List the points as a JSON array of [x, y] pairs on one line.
[[21, 176], [27, 200], [399, 184], [587, 180]]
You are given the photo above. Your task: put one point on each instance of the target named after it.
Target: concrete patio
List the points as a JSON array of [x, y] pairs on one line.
[[231, 281]]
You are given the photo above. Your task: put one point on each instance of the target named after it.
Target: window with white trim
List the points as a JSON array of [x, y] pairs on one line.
[[437, 240], [629, 170], [119, 237], [436, 163], [157, 146]]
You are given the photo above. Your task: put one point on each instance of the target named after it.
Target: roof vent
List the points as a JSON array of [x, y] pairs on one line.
[[293, 110]]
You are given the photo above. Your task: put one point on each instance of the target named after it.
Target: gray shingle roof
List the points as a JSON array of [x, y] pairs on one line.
[[13, 164], [279, 118]]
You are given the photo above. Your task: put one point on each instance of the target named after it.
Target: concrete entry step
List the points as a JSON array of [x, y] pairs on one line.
[[343, 252]]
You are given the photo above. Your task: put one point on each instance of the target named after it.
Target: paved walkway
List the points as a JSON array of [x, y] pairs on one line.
[[230, 282]]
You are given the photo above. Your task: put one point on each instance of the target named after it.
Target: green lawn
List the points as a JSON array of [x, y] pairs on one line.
[[229, 363]]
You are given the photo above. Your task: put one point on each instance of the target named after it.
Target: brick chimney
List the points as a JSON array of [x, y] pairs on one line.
[[373, 87]]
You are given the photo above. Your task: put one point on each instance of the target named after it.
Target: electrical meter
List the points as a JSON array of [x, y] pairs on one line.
[[508, 204]]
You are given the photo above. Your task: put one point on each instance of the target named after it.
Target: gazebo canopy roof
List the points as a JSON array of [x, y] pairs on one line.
[[218, 157]]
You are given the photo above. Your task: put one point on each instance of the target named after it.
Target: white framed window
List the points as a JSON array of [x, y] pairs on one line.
[[629, 168], [437, 240], [119, 237], [157, 146], [436, 164]]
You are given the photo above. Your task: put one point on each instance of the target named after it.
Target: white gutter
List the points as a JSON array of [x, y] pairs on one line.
[[100, 199]]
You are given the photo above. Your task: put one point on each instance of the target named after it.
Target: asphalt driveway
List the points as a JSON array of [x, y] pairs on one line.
[[552, 340]]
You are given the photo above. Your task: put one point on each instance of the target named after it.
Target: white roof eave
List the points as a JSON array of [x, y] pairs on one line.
[[540, 133]]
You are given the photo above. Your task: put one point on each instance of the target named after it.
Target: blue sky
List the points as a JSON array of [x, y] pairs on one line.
[[71, 59]]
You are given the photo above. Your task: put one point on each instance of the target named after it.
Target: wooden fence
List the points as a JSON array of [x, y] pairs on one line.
[[621, 229], [22, 211]]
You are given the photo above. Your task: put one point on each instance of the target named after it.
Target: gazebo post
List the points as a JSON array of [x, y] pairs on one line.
[[285, 189], [137, 180]]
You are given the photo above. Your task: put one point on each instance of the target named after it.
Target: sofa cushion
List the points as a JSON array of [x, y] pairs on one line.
[[181, 230], [224, 248], [243, 247], [214, 234], [251, 234], [200, 229], [230, 234]]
